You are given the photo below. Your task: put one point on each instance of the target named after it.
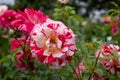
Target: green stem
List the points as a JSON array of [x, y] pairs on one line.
[[77, 78], [58, 75], [25, 44], [94, 66], [80, 78], [18, 42]]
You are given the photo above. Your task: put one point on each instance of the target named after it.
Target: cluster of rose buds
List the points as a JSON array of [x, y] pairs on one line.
[[43, 39]]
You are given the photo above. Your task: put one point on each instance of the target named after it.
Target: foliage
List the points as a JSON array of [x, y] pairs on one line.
[[90, 37]]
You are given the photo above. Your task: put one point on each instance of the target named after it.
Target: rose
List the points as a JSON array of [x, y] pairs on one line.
[[53, 43], [26, 20], [109, 57]]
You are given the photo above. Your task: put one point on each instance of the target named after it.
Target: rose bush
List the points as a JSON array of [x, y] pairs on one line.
[[61, 46]]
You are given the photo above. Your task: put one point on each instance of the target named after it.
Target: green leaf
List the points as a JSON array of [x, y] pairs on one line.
[[13, 54], [108, 57], [112, 10], [116, 5], [9, 57], [99, 71], [4, 46], [114, 13], [35, 78], [115, 54], [5, 59]]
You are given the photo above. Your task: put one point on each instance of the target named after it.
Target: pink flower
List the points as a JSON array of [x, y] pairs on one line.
[[16, 44], [53, 43], [24, 59], [6, 18], [114, 27], [3, 8], [26, 20], [79, 69], [117, 17], [113, 24], [111, 64], [106, 19]]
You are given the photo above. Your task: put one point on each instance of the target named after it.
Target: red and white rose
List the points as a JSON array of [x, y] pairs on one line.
[[52, 43], [111, 63]]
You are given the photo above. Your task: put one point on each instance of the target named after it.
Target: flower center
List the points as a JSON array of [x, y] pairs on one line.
[[51, 44], [53, 40]]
